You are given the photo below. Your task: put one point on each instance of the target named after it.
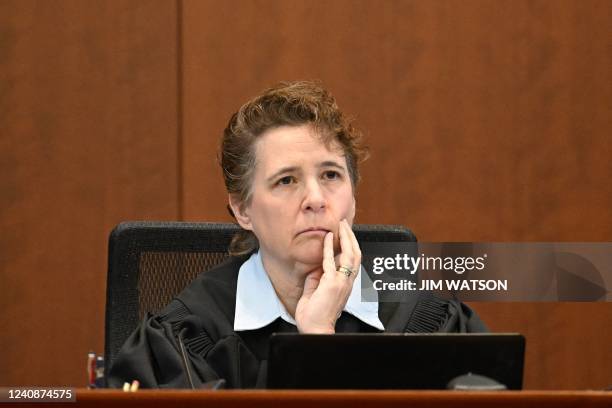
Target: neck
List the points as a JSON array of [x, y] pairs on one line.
[[287, 279]]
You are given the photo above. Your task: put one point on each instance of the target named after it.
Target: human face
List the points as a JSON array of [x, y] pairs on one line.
[[301, 189]]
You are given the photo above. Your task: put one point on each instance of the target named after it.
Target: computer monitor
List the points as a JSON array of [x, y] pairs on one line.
[[392, 361]]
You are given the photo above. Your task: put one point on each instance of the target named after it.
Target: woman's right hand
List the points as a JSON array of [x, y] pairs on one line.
[[326, 290]]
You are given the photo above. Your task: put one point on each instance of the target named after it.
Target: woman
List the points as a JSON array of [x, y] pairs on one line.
[[290, 162]]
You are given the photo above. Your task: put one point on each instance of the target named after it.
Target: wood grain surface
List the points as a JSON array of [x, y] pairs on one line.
[[486, 120], [88, 124]]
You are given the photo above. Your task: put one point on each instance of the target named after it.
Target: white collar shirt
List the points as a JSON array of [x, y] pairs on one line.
[[258, 305]]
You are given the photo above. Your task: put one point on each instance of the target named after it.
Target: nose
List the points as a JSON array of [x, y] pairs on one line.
[[314, 197]]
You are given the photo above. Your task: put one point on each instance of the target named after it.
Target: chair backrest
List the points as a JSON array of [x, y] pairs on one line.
[[151, 262]]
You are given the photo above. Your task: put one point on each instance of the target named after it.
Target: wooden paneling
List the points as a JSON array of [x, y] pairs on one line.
[[487, 121], [88, 137], [568, 344]]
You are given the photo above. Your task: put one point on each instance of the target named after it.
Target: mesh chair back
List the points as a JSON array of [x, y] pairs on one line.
[[151, 262]]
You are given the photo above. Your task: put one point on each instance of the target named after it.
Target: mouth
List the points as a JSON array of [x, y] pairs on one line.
[[314, 230]]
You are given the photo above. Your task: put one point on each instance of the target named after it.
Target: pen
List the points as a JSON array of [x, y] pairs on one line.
[[91, 369]]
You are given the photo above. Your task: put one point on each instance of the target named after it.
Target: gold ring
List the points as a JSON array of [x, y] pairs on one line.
[[346, 270]]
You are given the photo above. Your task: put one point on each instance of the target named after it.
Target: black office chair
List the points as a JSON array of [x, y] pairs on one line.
[[151, 262]]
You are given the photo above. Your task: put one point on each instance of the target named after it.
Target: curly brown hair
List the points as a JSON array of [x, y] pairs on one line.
[[286, 104]]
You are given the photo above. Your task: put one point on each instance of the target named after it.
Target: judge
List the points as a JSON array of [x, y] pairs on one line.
[[290, 163]]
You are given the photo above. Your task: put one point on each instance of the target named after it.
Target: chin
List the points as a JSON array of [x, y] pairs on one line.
[[310, 254]]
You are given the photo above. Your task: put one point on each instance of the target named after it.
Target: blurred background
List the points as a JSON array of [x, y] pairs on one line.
[[487, 121]]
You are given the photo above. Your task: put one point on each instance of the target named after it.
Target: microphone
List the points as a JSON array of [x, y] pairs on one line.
[[184, 357], [210, 385]]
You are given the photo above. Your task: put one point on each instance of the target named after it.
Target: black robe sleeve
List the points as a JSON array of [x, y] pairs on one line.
[[427, 313], [153, 355]]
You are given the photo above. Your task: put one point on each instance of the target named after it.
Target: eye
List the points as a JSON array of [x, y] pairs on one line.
[[285, 181], [331, 175]]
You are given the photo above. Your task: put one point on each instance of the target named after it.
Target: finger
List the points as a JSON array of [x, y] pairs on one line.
[[328, 253], [356, 251], [336, 242], [355, 244], [347, 258], [311, 283], [345, 245]]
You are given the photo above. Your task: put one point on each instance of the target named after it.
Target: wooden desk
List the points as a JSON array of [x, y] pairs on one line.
[[322, 399]]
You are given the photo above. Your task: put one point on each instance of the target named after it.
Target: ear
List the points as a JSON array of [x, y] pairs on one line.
[[240, 212]]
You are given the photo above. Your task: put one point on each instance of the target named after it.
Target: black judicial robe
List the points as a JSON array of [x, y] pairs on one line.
[[202, 319]]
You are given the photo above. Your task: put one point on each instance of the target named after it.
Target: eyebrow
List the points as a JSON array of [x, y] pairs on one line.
[[290, 169]]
